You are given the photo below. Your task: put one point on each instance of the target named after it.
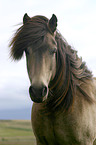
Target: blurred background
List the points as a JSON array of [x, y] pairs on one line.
[[76, 22]]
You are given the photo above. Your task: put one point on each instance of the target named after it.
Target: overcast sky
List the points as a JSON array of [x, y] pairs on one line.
[[76, 22]]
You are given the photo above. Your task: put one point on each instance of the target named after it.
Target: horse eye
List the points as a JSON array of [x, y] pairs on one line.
[[53, 51]]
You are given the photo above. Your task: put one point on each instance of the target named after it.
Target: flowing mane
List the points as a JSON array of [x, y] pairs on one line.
[[71, 72]]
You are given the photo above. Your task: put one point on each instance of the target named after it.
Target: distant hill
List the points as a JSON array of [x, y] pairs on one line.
[[16, 114]]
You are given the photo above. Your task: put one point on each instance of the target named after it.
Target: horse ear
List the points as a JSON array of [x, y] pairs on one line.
[[26, 18], [52, 24]]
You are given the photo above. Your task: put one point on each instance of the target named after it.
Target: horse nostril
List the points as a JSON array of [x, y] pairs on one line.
[[30, 89], [38, 91], [38, 94], [44, 91]]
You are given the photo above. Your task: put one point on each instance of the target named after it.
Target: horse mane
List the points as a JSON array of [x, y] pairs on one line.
[[71, 71]]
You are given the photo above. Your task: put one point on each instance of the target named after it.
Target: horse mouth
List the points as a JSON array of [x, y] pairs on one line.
[[37, 96]]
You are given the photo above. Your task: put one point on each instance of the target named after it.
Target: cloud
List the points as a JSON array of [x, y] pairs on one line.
[[14, 93]]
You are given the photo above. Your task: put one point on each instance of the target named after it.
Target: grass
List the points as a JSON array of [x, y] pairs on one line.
[[16, 132]]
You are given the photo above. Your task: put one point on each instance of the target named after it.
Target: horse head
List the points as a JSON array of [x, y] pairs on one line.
[[41, 63], [37, 38]]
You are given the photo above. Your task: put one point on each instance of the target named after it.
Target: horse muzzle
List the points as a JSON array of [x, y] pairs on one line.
[[38, 94]]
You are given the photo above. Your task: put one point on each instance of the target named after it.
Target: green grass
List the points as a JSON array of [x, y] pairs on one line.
[[16, 132]]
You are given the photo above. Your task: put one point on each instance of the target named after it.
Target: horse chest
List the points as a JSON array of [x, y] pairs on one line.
[[55, 131], [67, 131], [61, 129]]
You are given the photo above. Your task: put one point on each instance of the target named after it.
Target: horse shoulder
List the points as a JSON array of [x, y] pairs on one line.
[[79, 124]]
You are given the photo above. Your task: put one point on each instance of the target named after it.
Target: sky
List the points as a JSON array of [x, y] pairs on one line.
[[76, 22]]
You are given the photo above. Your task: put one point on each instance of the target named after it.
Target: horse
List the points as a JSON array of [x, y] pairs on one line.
[[62, 88]]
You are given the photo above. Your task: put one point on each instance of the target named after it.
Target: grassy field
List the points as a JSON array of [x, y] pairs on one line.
[[17, 132]]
